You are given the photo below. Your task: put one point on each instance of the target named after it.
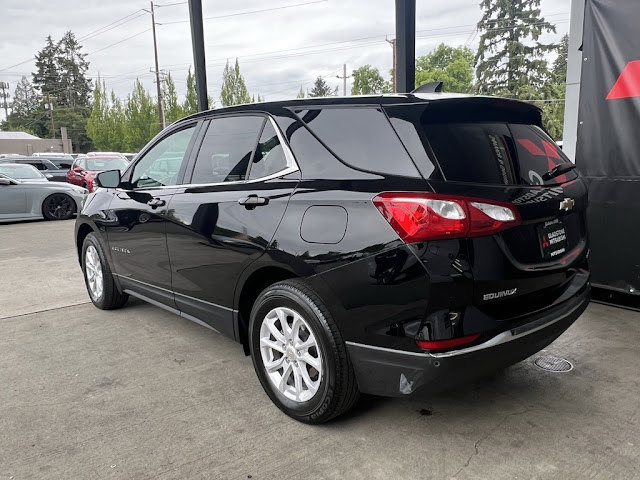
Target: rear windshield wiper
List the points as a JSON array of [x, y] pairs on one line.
[[558, 170]]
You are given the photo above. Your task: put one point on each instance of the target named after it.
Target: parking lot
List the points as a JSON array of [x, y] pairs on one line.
[[140, 393]]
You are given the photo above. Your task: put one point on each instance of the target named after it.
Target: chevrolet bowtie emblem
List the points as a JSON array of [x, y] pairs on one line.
[[567, 204]]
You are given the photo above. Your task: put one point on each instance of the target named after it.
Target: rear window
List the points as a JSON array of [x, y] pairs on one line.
[[498, 153]]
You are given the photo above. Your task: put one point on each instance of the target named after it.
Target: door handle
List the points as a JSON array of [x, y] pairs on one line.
[[253, 201], [156, 202]]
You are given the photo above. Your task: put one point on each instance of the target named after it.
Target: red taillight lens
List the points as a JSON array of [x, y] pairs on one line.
[[450, 343], [419, 217]]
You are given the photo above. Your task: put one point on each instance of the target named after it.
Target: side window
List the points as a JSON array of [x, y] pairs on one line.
[[226, 149], [38, 165], [269, 157], [362, 138], [160, 165]]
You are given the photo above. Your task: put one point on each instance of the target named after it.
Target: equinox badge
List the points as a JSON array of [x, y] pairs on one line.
[[567, 204]]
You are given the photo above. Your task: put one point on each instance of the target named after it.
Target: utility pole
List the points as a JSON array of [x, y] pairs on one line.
[[50, 108], [393, 46], [344, 79], [157, 72], [4, 95]]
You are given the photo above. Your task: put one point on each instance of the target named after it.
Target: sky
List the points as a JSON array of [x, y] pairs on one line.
[[281, 45]]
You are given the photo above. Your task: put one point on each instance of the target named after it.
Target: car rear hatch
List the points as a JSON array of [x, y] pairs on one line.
[[494, 152]]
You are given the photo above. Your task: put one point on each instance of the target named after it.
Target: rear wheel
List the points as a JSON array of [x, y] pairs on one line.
[[98, 277], [58, 206], [299, 355]]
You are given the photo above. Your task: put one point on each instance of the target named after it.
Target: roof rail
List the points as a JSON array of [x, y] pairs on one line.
[[431, 87]]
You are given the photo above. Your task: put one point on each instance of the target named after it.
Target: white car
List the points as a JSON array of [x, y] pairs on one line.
[[29, 200]]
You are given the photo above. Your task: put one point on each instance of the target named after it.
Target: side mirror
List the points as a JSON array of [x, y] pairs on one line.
[[49, 176], [5, 181], [108, 179], [77, 169]]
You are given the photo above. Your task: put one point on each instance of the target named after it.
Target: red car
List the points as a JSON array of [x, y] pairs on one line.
[[84, 169]]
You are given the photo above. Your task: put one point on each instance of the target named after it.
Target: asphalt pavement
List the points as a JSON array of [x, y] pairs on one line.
[[139, 393]]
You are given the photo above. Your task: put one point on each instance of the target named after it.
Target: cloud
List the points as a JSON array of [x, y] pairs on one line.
[[278, 50]]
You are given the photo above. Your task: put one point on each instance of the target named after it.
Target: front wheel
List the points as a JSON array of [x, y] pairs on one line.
[[98, 277], [58, 206], [298, 354]]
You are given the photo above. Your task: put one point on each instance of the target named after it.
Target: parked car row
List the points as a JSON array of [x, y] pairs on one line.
[[50, 186]]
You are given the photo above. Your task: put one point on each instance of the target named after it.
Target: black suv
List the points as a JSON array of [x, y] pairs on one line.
[[372, 244]]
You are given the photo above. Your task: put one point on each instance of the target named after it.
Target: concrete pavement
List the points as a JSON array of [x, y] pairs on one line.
[[139, 393]]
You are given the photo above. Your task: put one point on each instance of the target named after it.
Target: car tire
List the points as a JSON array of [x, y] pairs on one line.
[[304, 367], [98, 278], [58, 206]]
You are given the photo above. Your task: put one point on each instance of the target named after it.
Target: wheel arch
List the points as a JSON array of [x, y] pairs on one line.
[[82, 231], [247, 293]]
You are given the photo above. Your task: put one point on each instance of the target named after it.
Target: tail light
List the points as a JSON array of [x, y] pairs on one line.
[[419, 217]]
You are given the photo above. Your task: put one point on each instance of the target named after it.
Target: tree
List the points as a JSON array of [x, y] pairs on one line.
[[554, 92], [140, 113], [97, 123], [450, 65], [73, 89], [172, 109], [367, 80], [25, 99], [321, 89], [300, 93], [46, 77], [510, 56], [234, 90], [190, 105]]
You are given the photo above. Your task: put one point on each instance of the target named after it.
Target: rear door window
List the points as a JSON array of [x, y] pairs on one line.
[[269, 158], [227, 149]]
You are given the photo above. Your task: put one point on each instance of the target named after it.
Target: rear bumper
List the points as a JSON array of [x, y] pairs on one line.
[[394, 373]]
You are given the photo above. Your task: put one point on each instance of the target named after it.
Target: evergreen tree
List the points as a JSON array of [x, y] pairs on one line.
[[46, 77], [25, 99], [453, 66], [510, 56], [73, 89], [234, 90], [367, 80], [321, 89], [300, 93]]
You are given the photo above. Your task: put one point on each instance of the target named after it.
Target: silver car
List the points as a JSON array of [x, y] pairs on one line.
[[22, 172], [27, 199]]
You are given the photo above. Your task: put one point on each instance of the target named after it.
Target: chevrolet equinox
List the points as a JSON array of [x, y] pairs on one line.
[[380, 244]]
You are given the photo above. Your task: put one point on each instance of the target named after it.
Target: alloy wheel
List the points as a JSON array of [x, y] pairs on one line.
[[59, 206], [290, 354], [93, 269]]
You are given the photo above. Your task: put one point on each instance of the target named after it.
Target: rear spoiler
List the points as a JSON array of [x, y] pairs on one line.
[[482, 109]]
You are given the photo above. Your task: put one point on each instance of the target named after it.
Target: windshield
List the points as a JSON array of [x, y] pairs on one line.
[[21, 172], [106, 163]]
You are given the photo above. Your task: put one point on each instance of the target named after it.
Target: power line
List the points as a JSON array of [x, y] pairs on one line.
[[119, 42], [249, 12], [112, 25]]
